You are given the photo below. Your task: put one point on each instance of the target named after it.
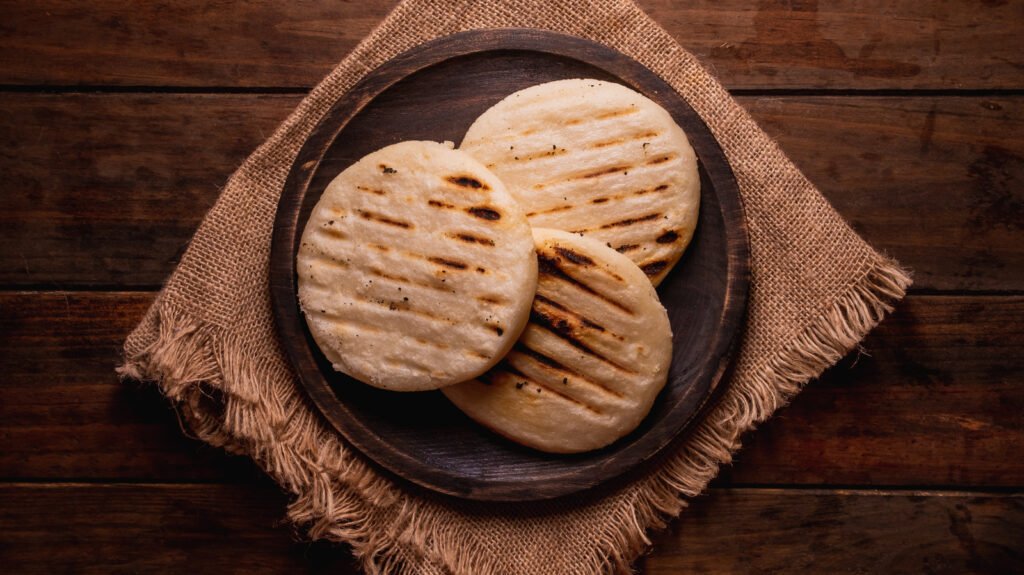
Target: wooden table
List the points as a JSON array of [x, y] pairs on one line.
[[120, 122]]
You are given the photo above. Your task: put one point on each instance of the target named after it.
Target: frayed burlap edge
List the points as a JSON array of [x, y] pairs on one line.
[[228, 405]]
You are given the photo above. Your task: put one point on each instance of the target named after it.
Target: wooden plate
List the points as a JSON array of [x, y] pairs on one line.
[[434, 92]]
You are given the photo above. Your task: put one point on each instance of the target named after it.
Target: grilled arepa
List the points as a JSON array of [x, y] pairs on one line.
[[591, 361], [416, 268], [599, 159]]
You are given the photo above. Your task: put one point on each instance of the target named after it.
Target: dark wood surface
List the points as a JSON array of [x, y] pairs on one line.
[[435, 92], [119, 122]]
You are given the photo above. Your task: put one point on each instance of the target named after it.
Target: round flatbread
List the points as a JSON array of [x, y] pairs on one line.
[[599, 159], [416, 268], [589, 364]]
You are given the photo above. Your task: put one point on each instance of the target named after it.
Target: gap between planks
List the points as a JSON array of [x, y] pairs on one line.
[[58, 89], [802, 490]]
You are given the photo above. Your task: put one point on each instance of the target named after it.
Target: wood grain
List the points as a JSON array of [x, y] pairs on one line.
[[936, 182], [436, 92], [859, 44], [937, 401], [48, 528], [180, 42], [63, 412], [793, 531], [106, 190], [81, 528]]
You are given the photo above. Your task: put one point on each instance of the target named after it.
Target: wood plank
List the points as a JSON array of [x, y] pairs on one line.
[[215, 528], [792, 531], [769, 44], [180, 43], [936, 182], [79, 528], [106, 190], [939, 401], [63, 412]]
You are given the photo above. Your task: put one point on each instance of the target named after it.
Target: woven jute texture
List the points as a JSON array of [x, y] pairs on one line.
[[209, 339]]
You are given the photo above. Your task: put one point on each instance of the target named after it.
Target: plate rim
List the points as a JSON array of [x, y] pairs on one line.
[[286, 233]]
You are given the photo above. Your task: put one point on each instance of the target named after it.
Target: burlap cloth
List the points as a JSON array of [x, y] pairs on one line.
[[209, 339]]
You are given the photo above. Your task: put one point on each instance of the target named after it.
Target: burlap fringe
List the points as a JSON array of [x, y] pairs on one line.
[[251, 407], [749, 402]]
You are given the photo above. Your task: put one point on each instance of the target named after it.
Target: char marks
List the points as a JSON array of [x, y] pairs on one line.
[[603, 172], [574, 256], [403, 306], [623, 223], [356, 303], [660, 160], [484, 213], [451, 264], [654, 268], [445, 262], [640, 192], [539, 133], [623, 140], [602, 116], [591, 176], [554, 151], [630, 221], [440, 204], [520, 380], [584, 261], [409, 281], [540, 299], [333, 232], [539, 357], [375, 217], [469, 182], [547, 266], [563, 372], [616, 113], [562, 328], [325, 260], [471, 239], [634, 193], [553, 210], [668, 237], [378, 313], [349, 322]]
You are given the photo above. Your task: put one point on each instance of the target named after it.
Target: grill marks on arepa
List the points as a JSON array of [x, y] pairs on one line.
[[398, 267], [421, 284], [598, 197], [598, 159], [591, 359]]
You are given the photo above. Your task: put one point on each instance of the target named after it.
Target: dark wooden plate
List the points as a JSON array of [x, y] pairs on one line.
[[434, 92]]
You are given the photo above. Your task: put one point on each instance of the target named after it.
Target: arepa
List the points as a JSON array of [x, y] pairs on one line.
[[595, 158], [590, 363], [416, 268]]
